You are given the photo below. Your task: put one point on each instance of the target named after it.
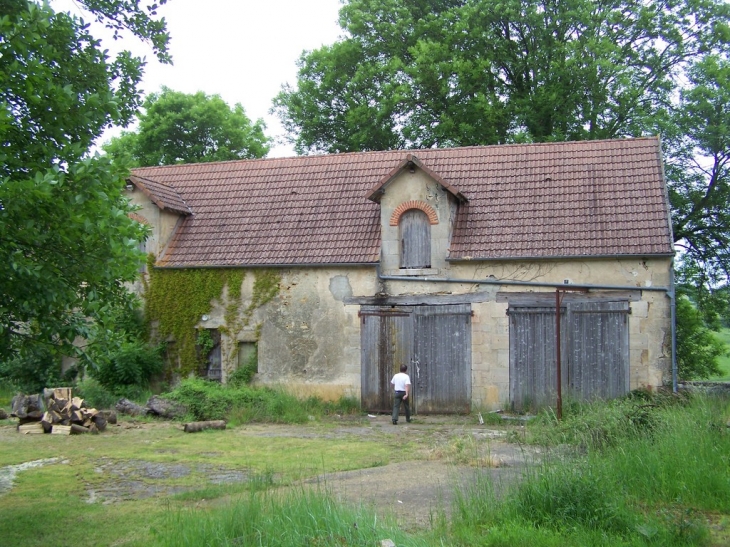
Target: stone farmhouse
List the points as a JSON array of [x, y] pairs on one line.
[[462, 263]]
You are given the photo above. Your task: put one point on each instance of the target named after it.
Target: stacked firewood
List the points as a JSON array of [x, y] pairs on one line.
[[58, 412]]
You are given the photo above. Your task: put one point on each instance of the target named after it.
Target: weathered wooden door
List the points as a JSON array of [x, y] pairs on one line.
[[599, 349], [441, 369], [594, 352], [386, 343], [533, 363], [435, 343]]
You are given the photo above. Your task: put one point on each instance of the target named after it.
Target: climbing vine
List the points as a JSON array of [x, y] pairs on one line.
[[265, 288], [177, 299]]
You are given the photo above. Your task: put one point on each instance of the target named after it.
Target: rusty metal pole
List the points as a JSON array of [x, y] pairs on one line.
[[557, 352]]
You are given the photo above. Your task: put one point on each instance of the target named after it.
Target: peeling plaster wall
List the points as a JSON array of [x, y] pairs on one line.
[[649, 321], [309, 340]]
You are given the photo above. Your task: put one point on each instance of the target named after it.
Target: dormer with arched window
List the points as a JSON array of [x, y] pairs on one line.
[[417, 209]]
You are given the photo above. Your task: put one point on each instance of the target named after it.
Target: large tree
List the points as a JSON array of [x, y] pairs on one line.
[[67, 244], [424, 73], [183, 128]]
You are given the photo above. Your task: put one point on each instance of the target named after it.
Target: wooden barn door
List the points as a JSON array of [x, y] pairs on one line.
[[599, 349], [386, 343], [435, 343], [594, 352], [532, 362], [441, 369]]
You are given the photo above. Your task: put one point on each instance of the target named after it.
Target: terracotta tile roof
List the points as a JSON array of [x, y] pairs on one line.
[[574, 199], [162, 195]]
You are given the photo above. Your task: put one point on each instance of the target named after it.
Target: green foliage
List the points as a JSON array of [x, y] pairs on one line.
[[600, 424], [134, 363], [95, 395], [181, 128], [177, 299], [204, 341], [116, 352], [644, 489], [697, 142], [429, 73], [723, 361], [564, 497], [34, 367], [698, 349], [67, 245], [241, 403]]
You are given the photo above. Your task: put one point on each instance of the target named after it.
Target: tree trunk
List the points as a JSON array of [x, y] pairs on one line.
[[194, 427], [125, 406], [165, 408]]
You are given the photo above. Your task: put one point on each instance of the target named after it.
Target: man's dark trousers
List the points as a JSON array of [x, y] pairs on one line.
[[396, 406]]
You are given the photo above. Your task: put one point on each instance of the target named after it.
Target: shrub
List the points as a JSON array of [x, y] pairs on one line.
[[697, 348], [37, 366], [95, 395], [133, 363]]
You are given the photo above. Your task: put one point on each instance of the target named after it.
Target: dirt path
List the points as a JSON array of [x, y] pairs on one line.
[[417, 491]]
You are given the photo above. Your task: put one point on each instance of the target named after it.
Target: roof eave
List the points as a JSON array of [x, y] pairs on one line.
[[409, 161]]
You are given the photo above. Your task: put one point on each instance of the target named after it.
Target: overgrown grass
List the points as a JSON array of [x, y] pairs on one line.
[[296, 518], [650, 481], [247, 404]]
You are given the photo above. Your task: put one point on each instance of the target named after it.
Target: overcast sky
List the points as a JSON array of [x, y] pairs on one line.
[[242, 50]]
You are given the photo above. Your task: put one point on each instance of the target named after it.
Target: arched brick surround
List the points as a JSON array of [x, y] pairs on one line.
[[413, 204]]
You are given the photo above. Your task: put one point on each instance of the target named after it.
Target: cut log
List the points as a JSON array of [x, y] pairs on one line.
[[77, 403], [99, 422], [47, 421], [59, 429], [77, 416], [194, 427], [35, 403], [3, 414], [35, 416], [76, 429], [93, 429], [19, 406], [31, 429], [125, 406], [110, 416], [62, 393], [166, 408]]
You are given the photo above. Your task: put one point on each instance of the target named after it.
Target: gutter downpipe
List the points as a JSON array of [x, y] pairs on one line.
[[669, 291], [673, 307]]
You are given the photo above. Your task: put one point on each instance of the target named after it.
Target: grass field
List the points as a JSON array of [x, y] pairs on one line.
[[631, 472]]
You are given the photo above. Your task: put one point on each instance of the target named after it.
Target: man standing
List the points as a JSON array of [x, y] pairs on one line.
[[402, 385]]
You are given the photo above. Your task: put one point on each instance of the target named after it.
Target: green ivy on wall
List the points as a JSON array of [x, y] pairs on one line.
[[177, 299]]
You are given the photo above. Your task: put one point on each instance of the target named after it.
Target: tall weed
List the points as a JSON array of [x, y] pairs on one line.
[[242, 403], [301, 517], [638, 482]]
